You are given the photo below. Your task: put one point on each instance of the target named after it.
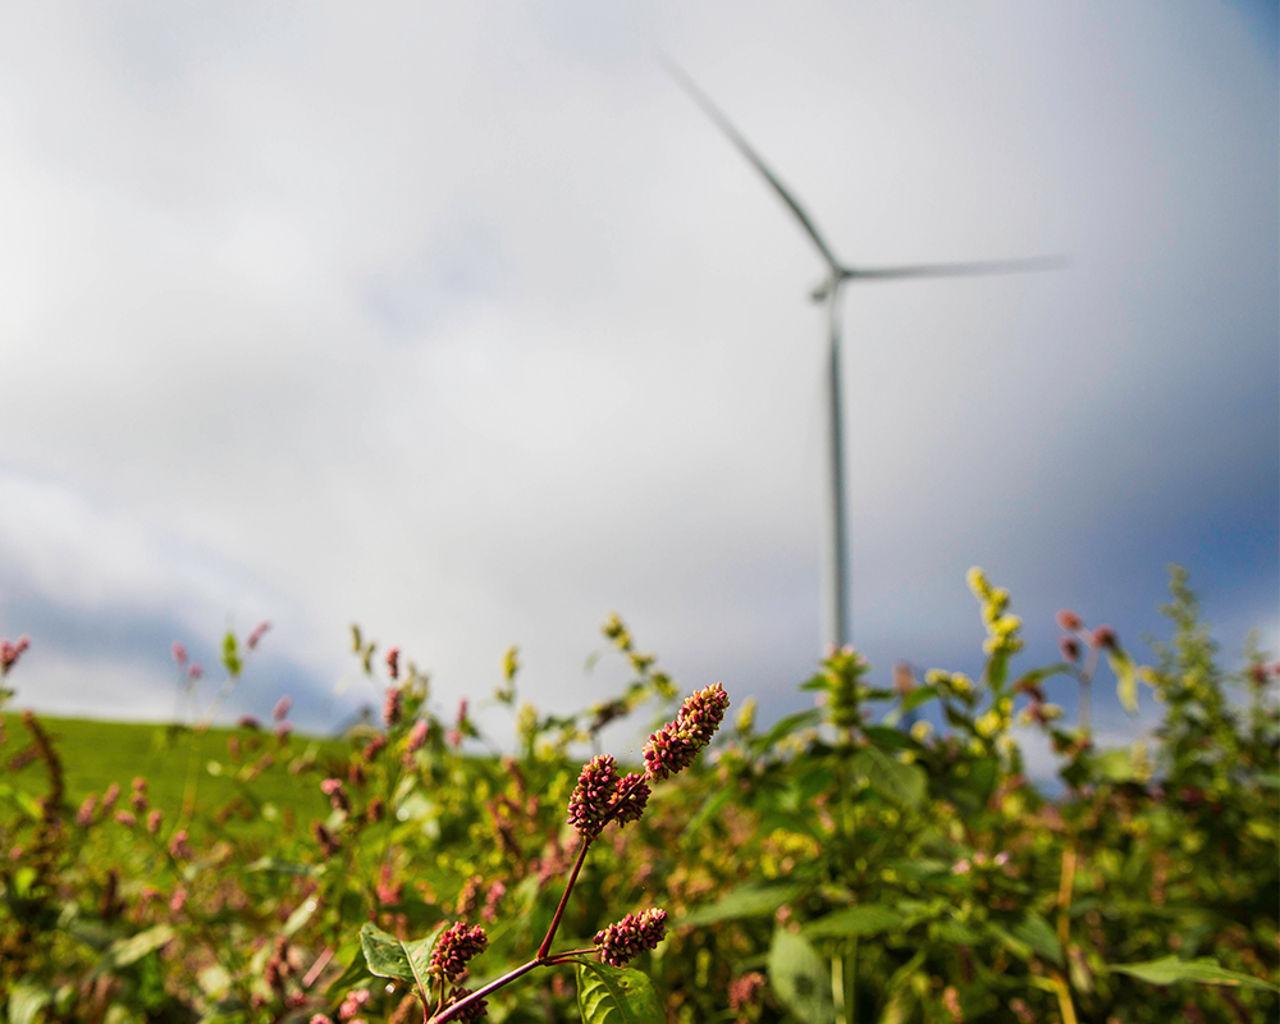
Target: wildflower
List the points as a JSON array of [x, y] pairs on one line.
[[178, 901], [391, 706], [745, 991], [589, 805], [332, 788], [11, 652], [492, 900], [153, 821], [417, 736], [960, 867], [469, 896], [283, 729], [389, 891], [393, 662], [1104, 637], [321, 1018], [374, 747], [1069, 621], [673, 747], [84, 816], [195, 673], [1069, 647], [600, 797], [456, 945], [258, 631], [473, 1011], [179, 847], [618, 943], [356, 1000], [249, 722], [281, 711], [327, 841], [109, 796], [179, 653], [126, 818]]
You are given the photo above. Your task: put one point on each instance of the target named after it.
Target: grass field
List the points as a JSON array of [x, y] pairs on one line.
[[176, 761]]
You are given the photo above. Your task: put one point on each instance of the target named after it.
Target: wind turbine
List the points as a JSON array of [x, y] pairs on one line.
[[838, 274]]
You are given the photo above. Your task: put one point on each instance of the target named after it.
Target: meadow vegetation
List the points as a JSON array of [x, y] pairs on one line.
[[879, 856]]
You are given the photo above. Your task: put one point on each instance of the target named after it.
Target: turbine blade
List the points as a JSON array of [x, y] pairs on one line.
[[957, 269], [739, 141]]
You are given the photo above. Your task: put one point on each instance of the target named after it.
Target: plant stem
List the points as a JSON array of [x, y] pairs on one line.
[[480, 993], [545, 948]]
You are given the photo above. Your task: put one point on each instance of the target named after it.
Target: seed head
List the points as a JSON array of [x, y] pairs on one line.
[[589, 805], [456, 945], [673, 747], [635, 933], [600, 797], [391, 706], [1069, 620], [473, 1011]]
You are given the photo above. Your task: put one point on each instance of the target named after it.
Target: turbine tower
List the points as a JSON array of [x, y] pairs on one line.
[[838, 612]]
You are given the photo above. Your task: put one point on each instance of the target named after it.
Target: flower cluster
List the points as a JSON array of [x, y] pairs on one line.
[[601, 796], [473, 1011], [456, 945], [10, 652], [673, 747], [1002, 629], [635, 933]]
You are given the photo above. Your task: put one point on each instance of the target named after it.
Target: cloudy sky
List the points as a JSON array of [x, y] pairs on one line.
[[466, 325]]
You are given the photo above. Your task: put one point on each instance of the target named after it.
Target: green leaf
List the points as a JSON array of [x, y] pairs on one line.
[[1037, 933], [1126, 679], [901, 784], [616, 995], [888, 739], [801, 978], [867, 919], [786, 725], [389, 957], [26, 1001], [750, 900], [1169, 969], [129, 950]]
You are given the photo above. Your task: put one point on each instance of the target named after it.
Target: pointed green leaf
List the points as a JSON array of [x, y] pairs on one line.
[[1169, 969], [801, 978], [1037, 933], [616, 995], [867, 919], [901, 784], [389, 957], [750, 900]]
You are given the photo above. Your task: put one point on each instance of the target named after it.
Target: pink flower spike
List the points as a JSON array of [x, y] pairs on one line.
[[456, 945], [179, 653], [673, 747], [195, 673], [393, 662], [256, 636], [635, 933]]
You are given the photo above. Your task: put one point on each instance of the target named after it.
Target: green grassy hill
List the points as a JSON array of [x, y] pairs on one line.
[[175, 760]]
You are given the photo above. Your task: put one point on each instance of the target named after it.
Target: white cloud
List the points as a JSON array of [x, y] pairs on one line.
[[470, 327]]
